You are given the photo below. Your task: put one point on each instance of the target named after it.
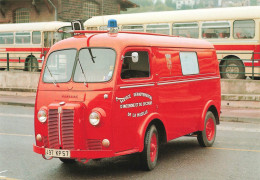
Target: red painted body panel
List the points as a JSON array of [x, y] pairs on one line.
[[178, 102]]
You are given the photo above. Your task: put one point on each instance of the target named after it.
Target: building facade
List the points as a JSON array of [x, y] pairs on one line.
[[17, 11]]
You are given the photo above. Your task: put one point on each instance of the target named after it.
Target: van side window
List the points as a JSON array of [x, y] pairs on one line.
[[140, 69], [189, 63]]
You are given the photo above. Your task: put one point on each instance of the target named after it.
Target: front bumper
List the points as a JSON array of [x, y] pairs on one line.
[[84, 154]]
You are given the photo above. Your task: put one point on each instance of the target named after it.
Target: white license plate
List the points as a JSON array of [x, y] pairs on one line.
[[57, 153]]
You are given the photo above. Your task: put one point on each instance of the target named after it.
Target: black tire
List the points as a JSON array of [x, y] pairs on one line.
[[32, 65], [207, 137], [255, 78], [67, 161], [149, 155], [233, 69]]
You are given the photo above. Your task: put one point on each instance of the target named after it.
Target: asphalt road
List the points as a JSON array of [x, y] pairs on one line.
[[235, 155]]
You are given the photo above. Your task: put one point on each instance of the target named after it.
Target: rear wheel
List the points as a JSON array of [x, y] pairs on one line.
[[67, 161], [207, 137], [32, 64], [149, 155], [233, 69]]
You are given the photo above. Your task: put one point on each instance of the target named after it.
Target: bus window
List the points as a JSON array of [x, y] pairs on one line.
[[186, 30], [189, 63], [92, 28], [215, 30], [103, 28], [140, 69], [48, 39], [65, 35], [158, 28], [23, 38], [6, 38], [244, 29], [135, 28], [36, 37]]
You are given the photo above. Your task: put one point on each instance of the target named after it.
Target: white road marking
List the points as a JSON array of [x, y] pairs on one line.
[[26, 135], [17, 115], [3, 171], [238, 129]]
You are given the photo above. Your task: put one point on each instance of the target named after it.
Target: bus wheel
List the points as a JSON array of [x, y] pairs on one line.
[[207, 137], [32, 64], [233, 69], [67, 161], [150, 153], [255, 78]]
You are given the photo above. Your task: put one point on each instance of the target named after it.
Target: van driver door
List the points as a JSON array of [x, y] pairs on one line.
[[134, 96]]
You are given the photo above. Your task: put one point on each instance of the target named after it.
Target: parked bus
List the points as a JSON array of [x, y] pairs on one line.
[[233, 31], [27, 43], [109, 94]]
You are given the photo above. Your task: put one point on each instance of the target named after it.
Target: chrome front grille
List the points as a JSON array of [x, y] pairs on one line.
[[94, 144], [53, 128], [65, 129]]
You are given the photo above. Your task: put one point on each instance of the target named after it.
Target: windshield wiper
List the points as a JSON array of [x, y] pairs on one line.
[[92, 57], [85, 82], [53, 79]]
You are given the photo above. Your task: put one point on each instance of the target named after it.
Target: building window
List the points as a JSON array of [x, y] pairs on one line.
[[21, 15], [91, 9]]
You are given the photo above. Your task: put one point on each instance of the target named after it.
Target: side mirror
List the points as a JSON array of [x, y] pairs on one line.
[[134, 57]]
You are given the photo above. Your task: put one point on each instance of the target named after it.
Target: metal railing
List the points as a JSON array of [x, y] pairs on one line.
[[28, 62]]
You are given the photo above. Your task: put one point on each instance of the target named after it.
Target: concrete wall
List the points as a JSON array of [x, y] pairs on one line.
[[240, 86], [20, 81]]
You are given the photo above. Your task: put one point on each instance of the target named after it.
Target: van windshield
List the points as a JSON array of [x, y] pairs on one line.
[[59, 66], [92, 65], [95, 65]]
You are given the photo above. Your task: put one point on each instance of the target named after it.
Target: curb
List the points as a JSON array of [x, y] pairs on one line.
[[239, 119], [17, 104]]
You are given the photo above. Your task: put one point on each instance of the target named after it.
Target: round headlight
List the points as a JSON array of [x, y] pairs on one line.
[[42, 115], [94, 118]]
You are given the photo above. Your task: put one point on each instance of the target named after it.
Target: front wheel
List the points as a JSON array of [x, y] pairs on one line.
[[149, 155], [207, 137]]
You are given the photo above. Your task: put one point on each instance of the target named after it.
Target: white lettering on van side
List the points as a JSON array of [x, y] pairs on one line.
[[133, 105], [134, 115], [136, 104], [124, 98], [143, 95]]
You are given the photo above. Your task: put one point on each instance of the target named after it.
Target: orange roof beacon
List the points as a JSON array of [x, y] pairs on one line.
[[113, 93]]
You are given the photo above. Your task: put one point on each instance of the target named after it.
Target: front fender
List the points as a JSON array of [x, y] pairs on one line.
[[143, 127]]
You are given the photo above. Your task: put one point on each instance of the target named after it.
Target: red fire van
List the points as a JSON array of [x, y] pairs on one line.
[[109, 94]]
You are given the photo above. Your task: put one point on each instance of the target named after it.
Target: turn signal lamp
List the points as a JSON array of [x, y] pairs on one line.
[[112, 26]]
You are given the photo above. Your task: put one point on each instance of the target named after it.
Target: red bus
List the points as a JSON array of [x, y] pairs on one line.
[[27, 43], [110, 94]]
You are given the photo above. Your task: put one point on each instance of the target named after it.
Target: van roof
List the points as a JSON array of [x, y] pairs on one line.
[[122, 40]]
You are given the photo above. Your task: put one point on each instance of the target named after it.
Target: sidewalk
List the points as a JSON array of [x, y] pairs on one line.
[[235, 111]]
